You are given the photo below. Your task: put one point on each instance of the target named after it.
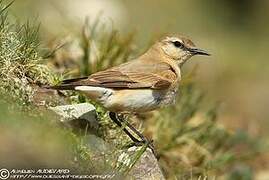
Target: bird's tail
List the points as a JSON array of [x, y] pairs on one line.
[[68, 84], [61, 87]]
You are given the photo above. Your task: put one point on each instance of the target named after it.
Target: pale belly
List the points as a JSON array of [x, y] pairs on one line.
[[139, 100], [129, 100]]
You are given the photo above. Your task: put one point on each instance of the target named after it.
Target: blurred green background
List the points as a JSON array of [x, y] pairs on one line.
[[235, 32]]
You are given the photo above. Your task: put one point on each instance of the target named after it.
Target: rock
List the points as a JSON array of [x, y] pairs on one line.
[[146, 167], [79, 115], [46, 97], [75, 111]]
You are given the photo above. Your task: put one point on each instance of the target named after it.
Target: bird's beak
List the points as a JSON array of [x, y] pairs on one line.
[[196, 51]]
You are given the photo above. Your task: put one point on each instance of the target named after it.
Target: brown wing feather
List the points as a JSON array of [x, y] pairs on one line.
[[131, 80], [123, 77]]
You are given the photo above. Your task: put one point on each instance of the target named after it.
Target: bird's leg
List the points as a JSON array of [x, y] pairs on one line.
[[122, 120], [141, 136], [113, 116]]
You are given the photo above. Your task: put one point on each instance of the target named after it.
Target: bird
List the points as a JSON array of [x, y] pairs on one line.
[[146, 83]]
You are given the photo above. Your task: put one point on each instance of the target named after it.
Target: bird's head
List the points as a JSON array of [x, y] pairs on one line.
[[179, 48]]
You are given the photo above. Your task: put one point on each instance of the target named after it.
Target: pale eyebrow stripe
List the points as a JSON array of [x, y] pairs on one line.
[[173, 39]]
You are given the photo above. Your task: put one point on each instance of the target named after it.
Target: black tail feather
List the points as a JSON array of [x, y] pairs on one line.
[[61, 87], [66, 84], [67, 81]]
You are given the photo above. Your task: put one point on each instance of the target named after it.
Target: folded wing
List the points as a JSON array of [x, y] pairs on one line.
[[159, 77]]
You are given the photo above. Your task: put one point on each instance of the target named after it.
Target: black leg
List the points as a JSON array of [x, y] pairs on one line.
[[113, 116], [120, 120]]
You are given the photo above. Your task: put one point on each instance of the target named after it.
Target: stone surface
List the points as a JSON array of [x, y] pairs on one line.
[[75, 111], [146, 167], [77, 115], [47, 97]]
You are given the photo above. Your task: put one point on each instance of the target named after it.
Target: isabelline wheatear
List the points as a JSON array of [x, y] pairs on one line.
[[140, 85]]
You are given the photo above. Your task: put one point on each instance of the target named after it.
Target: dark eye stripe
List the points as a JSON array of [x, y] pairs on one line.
[[178, 44]]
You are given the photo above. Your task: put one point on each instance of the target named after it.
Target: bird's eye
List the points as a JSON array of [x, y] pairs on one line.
[[177, 44]]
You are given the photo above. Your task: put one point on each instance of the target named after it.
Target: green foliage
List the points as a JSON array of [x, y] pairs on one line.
[[33, 138], [20, 62]]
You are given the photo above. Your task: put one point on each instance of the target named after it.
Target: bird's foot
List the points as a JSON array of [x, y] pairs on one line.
[[147, 142]]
